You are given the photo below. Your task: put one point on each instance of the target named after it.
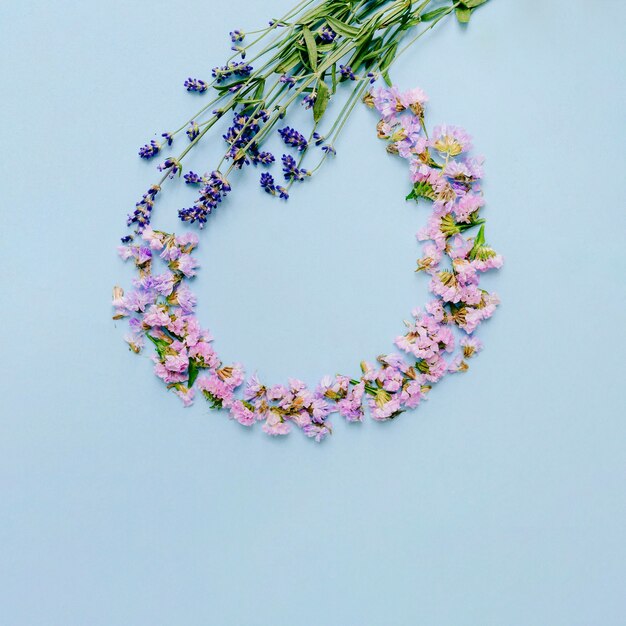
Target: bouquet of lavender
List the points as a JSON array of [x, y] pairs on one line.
[[301, 58]]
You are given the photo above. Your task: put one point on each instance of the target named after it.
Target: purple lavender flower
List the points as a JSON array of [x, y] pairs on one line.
[[236, 36], [309, 100], [287, 80], [267, 182], [293, 138], [171, 164], [193, 131], [150, 150], [214, 190], [168, 137], [290, 169], [240, 137], [191, 178], [231, 69], [346, 72], [328, 34], [143, 209], [126, 239], [263, 158], [195, 84]]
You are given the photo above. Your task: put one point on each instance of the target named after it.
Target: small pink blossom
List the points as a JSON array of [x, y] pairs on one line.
[[187, 265], [241, 413]]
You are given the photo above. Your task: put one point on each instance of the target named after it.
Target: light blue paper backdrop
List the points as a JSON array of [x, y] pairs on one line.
[[500, 501]]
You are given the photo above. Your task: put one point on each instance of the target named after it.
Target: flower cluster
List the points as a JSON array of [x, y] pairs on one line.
[[346, 72], [312, 50], [269, 185], [240, 137], [143, 209], [238, 69], [150, 149], [328, 34], [195, 84], [293, 138], [214, 189], [160, 308], [290, 169]]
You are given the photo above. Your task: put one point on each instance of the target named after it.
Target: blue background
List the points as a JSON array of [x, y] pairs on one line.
[[499, 501]]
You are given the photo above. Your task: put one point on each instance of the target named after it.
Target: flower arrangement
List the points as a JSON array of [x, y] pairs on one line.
[[438, 340], [302, 58]]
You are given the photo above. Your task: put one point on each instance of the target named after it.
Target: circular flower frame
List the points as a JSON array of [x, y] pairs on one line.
[[160, 308]]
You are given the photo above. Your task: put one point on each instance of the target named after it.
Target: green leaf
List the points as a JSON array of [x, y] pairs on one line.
[[342, 28], [260, 88], [311, 16], [289, 63], [480, 238], [321, 101], [433, 15], [194, 370], [304, 58], [472, 4], [422, 189], [479, 242], [311, 47], [386, 61], [160, 344], [364, 47], [463, 14]]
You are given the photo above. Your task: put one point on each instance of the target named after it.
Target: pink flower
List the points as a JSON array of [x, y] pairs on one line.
[[459, 247], [386, 102], [435, 308], [471, 346], [164, 283], [156, 316], [142, 255], [450, 140], [187, 239], [274, 425], [185, 298], [171, 253], [411, 394], [204, 353], [466, 206], [241, 413], [215, 388], [154, 240], [316, 431], [320, 409], [186, 395], [253, 389], [177, 363], [350, 407], [457, 365], [412, 97], [473, 317], [165, 375], [187, 265], [384, 406], [125, 252], [494, 262]]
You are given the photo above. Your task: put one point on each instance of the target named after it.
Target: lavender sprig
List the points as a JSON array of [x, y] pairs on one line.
[[308, 52]]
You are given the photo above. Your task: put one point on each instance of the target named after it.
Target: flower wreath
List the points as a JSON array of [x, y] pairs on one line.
[[160, 308]]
